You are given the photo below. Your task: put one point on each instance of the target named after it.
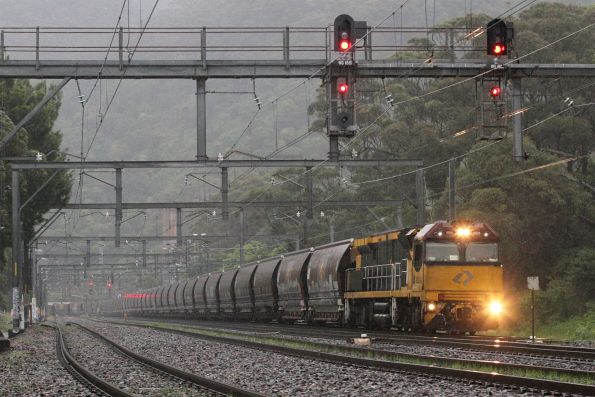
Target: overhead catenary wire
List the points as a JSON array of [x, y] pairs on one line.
[[98, 80], [125, 70]]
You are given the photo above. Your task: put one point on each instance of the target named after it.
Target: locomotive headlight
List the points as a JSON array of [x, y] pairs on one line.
[[463, 232], [496, 307], [431, 306]]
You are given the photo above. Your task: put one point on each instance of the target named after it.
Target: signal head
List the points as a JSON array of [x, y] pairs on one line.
[[344, 45], [342, 88], [499, 49], [497, 37], [344, 33], [495, 91]]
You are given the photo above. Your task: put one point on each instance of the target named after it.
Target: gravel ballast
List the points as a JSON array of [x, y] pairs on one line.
[[31, 368], [121, 371], [281, 375], [438, 351]]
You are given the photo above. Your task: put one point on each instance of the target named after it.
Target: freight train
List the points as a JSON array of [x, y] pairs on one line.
[[442, 276]]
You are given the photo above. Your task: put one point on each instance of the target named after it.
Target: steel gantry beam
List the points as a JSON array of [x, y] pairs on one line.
[[28, 165], [135, 238], [295, 68], [234, 204]]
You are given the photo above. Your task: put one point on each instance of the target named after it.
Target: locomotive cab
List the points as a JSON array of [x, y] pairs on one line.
[[461, 276], [443, 276]]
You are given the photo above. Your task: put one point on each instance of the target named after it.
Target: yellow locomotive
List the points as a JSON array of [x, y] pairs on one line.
[[442, 276]]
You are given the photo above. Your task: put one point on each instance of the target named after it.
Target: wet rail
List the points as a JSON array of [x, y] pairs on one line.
[[492, 372], [211, 386]]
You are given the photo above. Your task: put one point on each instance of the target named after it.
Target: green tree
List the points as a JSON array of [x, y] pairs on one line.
[[17, 98], [253, 251]]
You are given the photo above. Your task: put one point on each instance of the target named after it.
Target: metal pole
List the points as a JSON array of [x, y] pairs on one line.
[[155, 265], [333, 148], [306, 231], [186, 256], [201, 120], [37, 48], [144, 253], [399, 216], [88, 255], [518, 152], [369, 43], [16, 223], [178, 227], [121, 47], [533, 315], [451, 190], [118, 222], [286, 47], [420, 196], [332, 232], [309, 188], [203, 47], [242, 220], [224, 193], [2, 48], [34, 278]]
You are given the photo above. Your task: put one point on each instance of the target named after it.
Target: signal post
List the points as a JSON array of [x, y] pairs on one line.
[[341, 77]]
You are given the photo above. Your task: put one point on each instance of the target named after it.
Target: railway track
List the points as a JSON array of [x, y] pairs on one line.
[[94, 383], [494, 344], [205, 386], [488, 372]]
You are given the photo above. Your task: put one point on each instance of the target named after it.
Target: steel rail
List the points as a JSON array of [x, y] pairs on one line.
[[212, 385], [490, 377], [385, 336], [82, 374]]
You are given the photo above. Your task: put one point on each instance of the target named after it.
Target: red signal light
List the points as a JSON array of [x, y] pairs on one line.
[[498, 49], [90, 283], [495, 91], [109, 285], [344, 45], [343, 88]]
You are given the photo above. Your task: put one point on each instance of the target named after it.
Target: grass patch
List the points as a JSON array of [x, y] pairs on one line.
[[13, 359], [550, 374], [5, 322], [576, 328]]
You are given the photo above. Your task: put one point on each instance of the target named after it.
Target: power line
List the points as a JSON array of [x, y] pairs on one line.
[[130, 56]]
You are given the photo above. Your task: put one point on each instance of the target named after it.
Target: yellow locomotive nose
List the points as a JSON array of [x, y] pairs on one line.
[[496, 307]]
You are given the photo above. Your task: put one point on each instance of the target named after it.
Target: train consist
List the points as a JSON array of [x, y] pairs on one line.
[[65, 308], [441, 276]]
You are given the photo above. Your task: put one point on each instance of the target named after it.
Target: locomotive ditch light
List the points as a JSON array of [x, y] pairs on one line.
[[496, 307], [431, 306]]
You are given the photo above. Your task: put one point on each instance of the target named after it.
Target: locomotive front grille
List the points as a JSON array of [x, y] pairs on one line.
[[464, 313]]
